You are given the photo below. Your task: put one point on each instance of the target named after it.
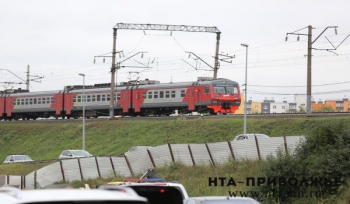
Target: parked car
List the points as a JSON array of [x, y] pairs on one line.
[[16, 158], [250, 136], [221, 200], [69, 196], [68, 154]]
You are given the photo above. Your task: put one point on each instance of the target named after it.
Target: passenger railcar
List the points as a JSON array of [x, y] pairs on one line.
[[215, 96]]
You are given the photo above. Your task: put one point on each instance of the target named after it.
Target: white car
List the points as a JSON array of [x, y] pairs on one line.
[[16, 158], [68, 154], [250, 136], [77, 196], [221, 200]]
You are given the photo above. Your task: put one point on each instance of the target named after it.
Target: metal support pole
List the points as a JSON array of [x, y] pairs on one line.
[[113, 70], [27, 82], [309, 55], [216, 65], [83, 102], [245, 90]]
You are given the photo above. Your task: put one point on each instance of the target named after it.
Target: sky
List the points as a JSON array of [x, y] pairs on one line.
[[58, 39]]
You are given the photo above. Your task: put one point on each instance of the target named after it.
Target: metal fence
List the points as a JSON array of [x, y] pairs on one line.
[[137, 162]]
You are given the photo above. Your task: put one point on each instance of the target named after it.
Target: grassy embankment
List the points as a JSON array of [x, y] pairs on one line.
[[45, 140]]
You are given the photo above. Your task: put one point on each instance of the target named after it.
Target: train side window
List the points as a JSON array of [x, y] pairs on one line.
[[88, 98], [79, 99], [150, 94], [52, 100], [118, 96], [167, 94], [93, 98], [43, 100], [39, 100], [103, 97], [182, 93], [206, 90], [161, 94], [14, 102], [34, 101], [22, 101], [173, 94], [74, 99], [155, 94], [98, 98], [108, 97], [144, 95], [26, 101], [48, 100], [30, 101]]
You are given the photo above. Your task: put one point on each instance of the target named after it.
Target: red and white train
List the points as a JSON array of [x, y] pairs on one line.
[[213, 96]]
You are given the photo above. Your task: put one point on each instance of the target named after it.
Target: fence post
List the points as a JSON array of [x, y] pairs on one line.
[[285, 144], [7, 180], [257, 147], [171, 152], [189, 148], [151, 157], [110, 158], [128, 163], [211, 157], [81, 172], [35, 183], [231, 149], [62, 171], [98, 168]]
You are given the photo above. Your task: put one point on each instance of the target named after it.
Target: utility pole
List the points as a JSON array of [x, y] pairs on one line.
[[111, 104], [309, 58]]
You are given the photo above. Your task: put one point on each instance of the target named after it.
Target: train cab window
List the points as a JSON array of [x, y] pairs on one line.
[[103, 97], [118, 96], [150, 94], [93, 98], [173, 94], [98, 98], [182, 93], [206, 90], [161, 94], [108, 97], [144, 95], [79, 99], [155, 95], [88, 98], [167, 94]]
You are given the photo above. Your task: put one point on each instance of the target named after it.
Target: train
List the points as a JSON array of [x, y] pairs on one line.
[[216, 96]]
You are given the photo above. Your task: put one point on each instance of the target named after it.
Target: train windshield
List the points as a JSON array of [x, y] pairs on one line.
[[225, 89]]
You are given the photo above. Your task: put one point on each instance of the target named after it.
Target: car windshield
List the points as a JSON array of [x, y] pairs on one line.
[[81, 153], [22, 157], [225, 89]]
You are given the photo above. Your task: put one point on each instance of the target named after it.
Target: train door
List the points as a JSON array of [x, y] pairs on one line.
[[137, 100], [2, 106], [125, 100]]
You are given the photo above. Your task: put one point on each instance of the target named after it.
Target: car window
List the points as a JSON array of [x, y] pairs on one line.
[[241, 137], [22, 157], [11, 158]]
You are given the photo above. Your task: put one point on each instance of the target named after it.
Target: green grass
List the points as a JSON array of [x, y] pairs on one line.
[[46, 140]]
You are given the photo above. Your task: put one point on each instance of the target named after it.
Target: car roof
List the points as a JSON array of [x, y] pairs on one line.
[[51, 195], [224, 198]]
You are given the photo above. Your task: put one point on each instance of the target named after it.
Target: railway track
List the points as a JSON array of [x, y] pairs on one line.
[[192, 117]]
